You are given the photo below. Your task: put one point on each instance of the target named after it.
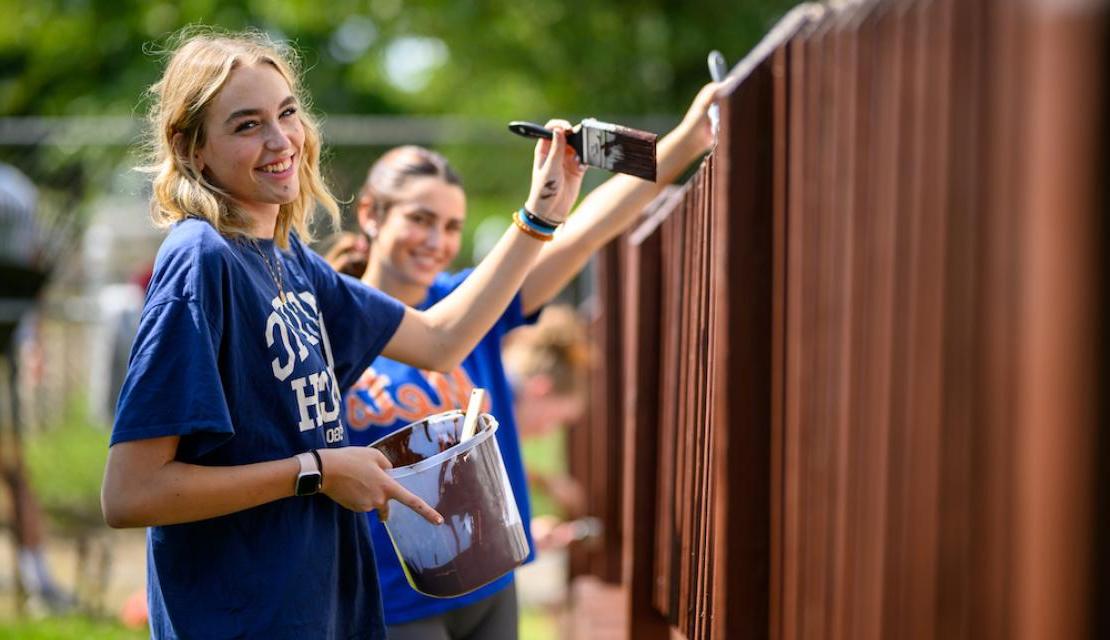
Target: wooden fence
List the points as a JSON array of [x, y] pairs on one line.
[[850, 374]]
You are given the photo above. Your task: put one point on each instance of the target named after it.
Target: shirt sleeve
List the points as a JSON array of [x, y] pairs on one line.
[[173, 384], [359, 319]]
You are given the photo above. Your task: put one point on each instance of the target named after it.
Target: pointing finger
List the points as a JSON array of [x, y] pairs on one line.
[[412, 501]]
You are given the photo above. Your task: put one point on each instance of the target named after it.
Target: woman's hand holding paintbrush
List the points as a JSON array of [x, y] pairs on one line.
[[616, 204], [545, 198]]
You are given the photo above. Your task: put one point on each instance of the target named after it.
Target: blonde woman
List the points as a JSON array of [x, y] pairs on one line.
[[229, 441]]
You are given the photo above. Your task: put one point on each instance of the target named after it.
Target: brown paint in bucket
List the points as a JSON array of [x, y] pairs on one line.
[[482, 536]]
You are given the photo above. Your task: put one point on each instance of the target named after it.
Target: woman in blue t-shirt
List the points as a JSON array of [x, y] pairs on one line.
[[412, 207], [229, 441]]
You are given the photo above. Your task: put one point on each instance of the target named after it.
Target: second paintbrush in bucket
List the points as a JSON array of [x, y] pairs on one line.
[[604, 145]]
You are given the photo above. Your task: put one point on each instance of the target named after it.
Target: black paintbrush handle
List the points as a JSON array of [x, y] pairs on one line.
[[530, 130]]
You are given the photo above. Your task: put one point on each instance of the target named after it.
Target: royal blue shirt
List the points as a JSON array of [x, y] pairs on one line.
[[390, 395], [241, 378]]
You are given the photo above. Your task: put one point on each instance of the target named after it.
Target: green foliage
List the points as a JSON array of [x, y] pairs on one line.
[[493, 59], [68, 628], [504, 58], [66, 465]]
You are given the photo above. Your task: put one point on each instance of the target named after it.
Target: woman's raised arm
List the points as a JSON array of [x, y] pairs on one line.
[[441, 336], [612, 207]]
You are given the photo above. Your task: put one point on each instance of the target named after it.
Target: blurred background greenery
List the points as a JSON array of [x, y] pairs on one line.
[[483, 62]]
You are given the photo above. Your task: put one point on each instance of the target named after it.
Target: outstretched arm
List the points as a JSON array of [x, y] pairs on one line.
[[609, 209], [440, 337]]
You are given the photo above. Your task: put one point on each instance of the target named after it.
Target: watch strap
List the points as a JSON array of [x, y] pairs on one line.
[[309, 478]]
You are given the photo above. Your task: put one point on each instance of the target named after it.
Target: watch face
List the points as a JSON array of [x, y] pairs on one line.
[[308, 483]]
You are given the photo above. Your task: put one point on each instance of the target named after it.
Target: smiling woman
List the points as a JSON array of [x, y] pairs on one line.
[[229, 442]]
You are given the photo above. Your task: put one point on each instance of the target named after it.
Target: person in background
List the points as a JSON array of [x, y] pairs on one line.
[[229, 442], [547, 365], [21, 353], [411, 208]]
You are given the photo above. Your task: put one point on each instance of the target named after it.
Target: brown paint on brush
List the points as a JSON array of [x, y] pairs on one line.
[[607, 146]]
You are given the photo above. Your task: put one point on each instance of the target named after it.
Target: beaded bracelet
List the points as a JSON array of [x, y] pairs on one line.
[[536, 222], [528, 230]]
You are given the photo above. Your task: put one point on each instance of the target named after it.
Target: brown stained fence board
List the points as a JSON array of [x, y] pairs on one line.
[[614, 440], [603, 472], [642, 407], [839, 244], [915, 549], [805, 227], [793, 369], [712, 331], [743, 260], [959, 420], [694, 391], [821, 479], [689, 418], [682, 475], [1004, 217], [781, 65], [682, 465], [708, 343], [688, 479], [703, 340], [665, 579], [883, 265], [1059, 395], [912, 109], [697, 391]]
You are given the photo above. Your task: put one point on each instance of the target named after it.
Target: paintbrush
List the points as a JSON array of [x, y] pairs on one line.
[[603, 145]]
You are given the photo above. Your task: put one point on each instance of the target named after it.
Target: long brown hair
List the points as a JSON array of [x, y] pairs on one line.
[[395, 168]]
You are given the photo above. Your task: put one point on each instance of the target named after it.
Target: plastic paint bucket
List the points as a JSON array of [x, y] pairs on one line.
[[482, 536]]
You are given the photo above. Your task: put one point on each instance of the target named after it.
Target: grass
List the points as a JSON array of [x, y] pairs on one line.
[[68, 628], [534, 625], [537, 625], [66, 464]]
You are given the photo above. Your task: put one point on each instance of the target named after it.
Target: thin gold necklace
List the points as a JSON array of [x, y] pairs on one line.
[[273, 269]]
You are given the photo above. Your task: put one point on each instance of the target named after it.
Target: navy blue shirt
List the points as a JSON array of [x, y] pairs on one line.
[[242, 378], [390, 395]]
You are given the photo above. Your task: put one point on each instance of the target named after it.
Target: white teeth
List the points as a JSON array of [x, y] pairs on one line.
[[278, 167]]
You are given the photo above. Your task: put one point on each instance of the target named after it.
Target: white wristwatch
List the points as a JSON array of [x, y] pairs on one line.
[[311, 475]]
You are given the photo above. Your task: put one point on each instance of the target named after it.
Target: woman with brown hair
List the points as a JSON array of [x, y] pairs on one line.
[[412, 207]]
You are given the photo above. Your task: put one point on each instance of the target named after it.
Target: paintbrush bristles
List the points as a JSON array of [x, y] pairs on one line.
[[616, 148]]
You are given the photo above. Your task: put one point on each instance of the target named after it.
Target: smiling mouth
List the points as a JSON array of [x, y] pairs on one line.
[[426, 262], [279, 167]]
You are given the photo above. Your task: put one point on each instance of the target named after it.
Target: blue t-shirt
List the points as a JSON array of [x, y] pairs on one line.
[[390, 395], [242, 379]]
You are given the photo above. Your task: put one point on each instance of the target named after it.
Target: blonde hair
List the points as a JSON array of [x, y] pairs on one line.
[[199, 66]]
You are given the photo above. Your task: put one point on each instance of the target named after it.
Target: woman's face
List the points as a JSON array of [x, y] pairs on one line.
[[254, 139], [422, 231]]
